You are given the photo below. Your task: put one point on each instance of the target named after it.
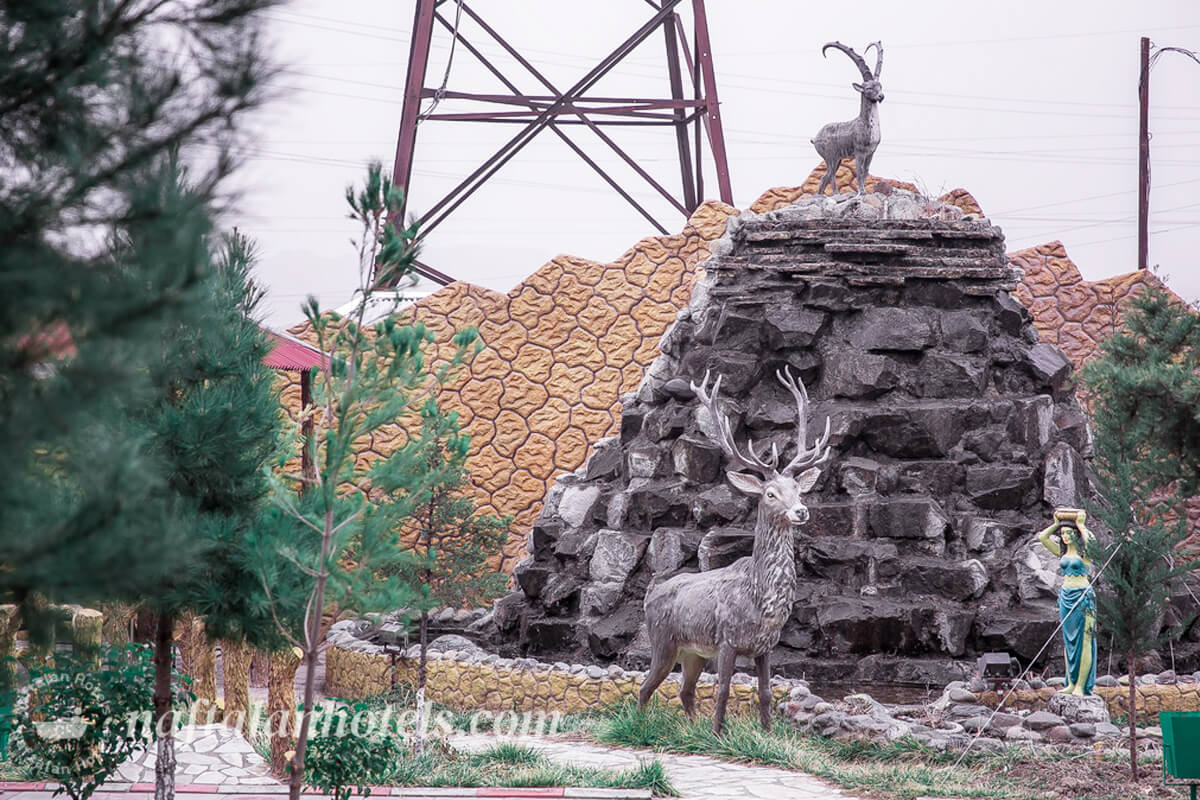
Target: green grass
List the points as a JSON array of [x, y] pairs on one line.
[[903, 769], [514, 765], [506, 764]]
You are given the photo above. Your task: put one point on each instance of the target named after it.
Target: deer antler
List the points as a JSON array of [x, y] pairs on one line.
[[878, 56], [805, 456], [855, 57], [753, 461]]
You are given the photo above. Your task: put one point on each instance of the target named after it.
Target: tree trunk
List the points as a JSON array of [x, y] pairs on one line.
[[235, 667], [87, 631], [422, 666], [1133, 754], [118, 622], [164, 719], [200, 662], [10, 620], [281, 706], [312, 641], [260, 665]]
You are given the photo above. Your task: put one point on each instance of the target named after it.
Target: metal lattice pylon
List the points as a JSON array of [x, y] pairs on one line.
[[694, 118]]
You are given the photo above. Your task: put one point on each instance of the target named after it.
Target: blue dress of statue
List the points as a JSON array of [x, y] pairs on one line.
[[1076, 598]]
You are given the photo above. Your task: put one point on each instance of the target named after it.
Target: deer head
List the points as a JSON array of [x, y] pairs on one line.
[[870, 88], [781, 489]]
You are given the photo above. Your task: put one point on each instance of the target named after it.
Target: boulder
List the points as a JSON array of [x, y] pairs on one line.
[[1072, 708], [1063, 476], [577, 503], [671, 548], [696, 459], [616, 556], [892, 329], [1042, 721], [1050, 365]]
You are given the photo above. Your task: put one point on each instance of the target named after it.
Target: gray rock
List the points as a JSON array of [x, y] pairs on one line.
[[600, 598], [1106, 680], [1059, 733], [961, 711], [1022, 735], [577, 503], [1002, 720], [892, 329], [1078, 709], [1050, 365], [974, 724], [670, 549], [1083, 730], [963, 696], [616, 555], [1064, 475], [1042, 720]]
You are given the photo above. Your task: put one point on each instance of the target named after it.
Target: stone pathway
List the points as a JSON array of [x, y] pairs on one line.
[[216, 763], [696, 777], [204, 754]]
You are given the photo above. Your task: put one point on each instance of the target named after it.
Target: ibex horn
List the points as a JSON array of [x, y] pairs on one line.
[[855, 57], [878, 57]]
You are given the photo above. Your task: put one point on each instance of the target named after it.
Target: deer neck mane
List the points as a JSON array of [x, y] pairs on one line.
[[774, 564]]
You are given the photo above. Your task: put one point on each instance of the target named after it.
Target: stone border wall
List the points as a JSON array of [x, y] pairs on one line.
[[471, 681], [1149, 699]]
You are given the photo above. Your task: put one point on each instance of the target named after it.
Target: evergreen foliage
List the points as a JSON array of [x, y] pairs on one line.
[[336, 547], [452, 543], [103, 250], [1147, 453]]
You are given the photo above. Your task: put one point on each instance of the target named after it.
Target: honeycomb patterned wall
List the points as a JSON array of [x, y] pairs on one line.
[[563, 345]]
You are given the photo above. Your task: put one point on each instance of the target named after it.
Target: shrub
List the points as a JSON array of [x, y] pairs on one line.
[[79, 721], [339, 760]]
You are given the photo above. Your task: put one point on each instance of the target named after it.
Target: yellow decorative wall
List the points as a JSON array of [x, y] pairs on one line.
[[463, 685]]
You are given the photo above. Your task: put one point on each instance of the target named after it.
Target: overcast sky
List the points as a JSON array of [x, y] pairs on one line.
[[1032, 106]]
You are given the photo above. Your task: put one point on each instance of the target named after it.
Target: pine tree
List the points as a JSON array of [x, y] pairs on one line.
[[96, 98], [1140, 388], [456, 547], [216, 428], [339, 540]]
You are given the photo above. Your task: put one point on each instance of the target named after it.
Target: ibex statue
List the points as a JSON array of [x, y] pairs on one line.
[[738, 610], [857, 137]]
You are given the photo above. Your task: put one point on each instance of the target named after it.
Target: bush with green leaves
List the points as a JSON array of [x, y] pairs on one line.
[[79, 721], [341, 758]]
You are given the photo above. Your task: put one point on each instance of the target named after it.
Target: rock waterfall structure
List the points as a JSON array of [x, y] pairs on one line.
[[955, 433]]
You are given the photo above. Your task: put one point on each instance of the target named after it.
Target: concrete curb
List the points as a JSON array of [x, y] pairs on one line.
[[274, 791]]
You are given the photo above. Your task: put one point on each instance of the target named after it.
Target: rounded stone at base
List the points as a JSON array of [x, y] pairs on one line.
[[1073, 708]]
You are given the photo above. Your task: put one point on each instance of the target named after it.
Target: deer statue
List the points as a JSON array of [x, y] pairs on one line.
[[740, 609], [857, 137]]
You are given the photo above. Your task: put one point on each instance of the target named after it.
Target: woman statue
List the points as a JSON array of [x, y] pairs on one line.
[[1066, 538]]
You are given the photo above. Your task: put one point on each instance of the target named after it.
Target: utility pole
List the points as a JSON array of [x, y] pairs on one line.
[[1144, 157]]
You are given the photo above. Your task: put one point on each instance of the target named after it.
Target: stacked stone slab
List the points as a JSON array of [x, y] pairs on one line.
[[955, 433]]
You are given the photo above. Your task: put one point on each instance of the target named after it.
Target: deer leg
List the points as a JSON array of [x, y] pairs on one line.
[[831, 168], [692, 666], [763, 665], [725, 658], [662, 659], [863, 167]]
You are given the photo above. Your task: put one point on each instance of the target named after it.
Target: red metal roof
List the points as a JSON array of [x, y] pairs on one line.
[[289, 353]]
